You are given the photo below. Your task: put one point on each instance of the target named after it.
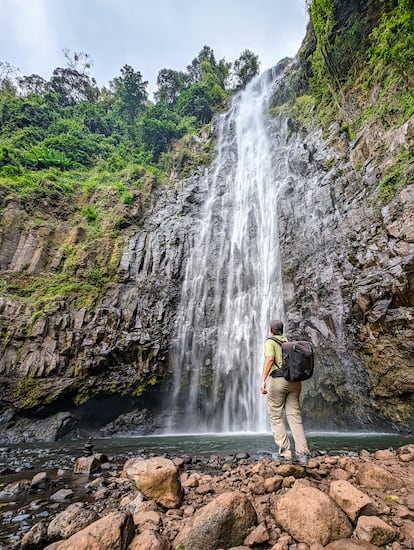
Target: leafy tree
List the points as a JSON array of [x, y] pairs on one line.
[[78, 61], [32, 84], [158, 128], [244, 69], [73, 83], [18, 112], [196, 101], [130, 94], [96, 117], [71, 86], [8, 74], [170, 84], [204, 68]]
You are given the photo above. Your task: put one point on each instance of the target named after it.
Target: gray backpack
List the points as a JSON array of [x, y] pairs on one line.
[[297, 359]]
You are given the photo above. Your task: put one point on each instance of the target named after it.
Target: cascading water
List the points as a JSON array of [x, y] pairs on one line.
[[232, 284]]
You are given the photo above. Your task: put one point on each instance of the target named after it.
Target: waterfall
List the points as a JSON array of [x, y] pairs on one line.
[[232, 284]]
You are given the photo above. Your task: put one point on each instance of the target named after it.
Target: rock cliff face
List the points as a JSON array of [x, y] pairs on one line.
[[92, 362], [348, 278], [348, 286]]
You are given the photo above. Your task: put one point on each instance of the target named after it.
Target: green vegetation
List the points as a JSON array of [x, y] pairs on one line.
[[356, 67], [83, 395], [27, 391], [73, 152], [400, 174], [69, 123], [142, 384]]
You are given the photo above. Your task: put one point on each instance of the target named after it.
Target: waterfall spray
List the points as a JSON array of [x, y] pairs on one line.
[[232, 284]]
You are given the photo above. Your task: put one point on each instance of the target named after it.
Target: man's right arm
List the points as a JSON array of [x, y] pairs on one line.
[[268, 363]]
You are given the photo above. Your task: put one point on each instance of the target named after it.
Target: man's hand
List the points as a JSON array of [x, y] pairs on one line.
[[266, 369]]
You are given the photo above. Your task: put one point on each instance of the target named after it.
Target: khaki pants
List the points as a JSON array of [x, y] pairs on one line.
[[283, 397]]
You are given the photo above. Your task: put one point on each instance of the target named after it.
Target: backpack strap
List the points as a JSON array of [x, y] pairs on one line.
[[280, 342]]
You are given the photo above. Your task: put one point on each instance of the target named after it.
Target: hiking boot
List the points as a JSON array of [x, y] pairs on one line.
[[301, 459], [280, 458]]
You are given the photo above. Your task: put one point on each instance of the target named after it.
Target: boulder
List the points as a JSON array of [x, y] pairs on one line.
[[351, 500], [150, 517], [35, 538], [273, 483], [374, 530], [71, 520], [259, 535], [87, 465], [61, 495], [407, 531], [156, 478], [149, 540], [373, 476], [112, 532], [15, 488], [39, 481], [131, 503], [222, 523], [385, 455], [310, 516], [350, 544]]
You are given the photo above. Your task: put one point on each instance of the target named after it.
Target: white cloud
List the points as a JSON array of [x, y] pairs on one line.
[[147, 34], [28, 36]]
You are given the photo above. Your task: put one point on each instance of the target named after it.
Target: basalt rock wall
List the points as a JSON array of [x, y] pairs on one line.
[[348, 277], [90, 363]]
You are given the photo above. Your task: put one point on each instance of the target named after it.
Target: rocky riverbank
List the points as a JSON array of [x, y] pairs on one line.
[[363, 500]]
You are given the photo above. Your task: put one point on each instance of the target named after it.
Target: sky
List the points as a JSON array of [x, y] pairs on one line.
[[149, 35]]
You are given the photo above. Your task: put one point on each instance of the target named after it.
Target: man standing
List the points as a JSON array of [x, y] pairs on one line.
[[282, 398]]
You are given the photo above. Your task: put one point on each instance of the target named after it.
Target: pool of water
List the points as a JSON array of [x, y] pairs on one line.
[[62, 453]]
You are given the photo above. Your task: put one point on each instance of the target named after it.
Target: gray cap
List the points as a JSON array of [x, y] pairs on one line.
[[276, 326]]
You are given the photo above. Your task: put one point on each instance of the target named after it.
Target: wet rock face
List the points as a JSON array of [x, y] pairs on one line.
[[61, 359], [348, 283]]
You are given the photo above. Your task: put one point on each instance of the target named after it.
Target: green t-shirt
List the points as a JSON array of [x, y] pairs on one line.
[[273, 349]]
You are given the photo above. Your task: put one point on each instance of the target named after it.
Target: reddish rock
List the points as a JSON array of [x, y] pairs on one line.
[[385, 455], [141, 518], [74, 518], [87, 465], [189, 480], [257, 485], [258, 535], [149, 540], [350, 544], [132, 502], [406, 458], [112, 532], [351, 500], [35, 538], [224, 522], [273, 483], [375, 477], [310, 516], [374, 530], [339, 473], [407, 531], [157, 479]]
